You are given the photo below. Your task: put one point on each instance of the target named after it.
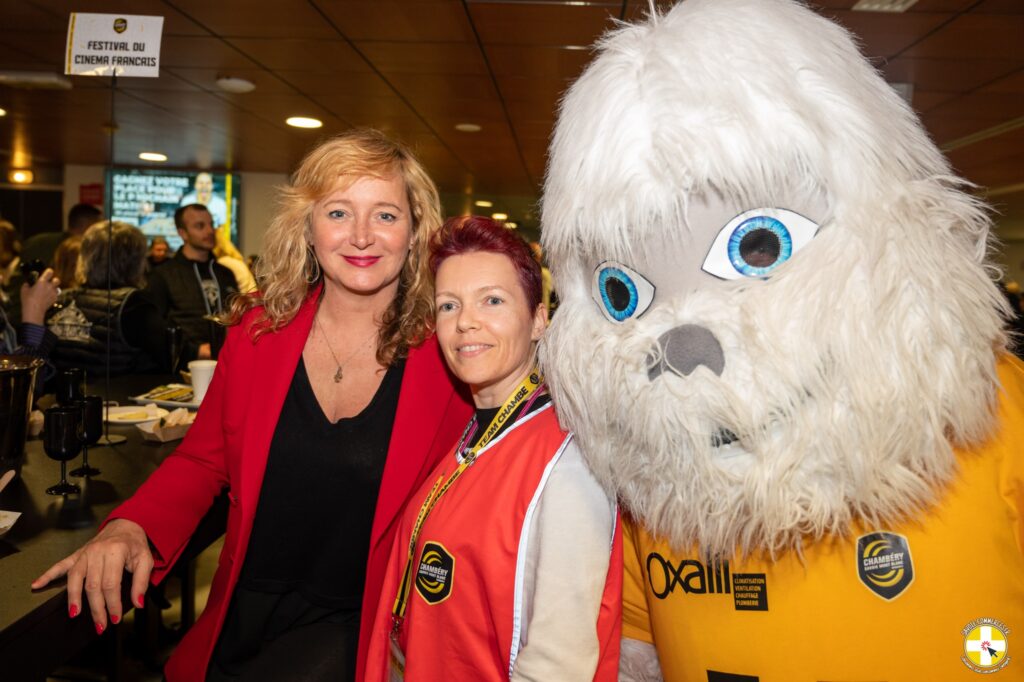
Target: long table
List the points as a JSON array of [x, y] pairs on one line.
[[35, 633]]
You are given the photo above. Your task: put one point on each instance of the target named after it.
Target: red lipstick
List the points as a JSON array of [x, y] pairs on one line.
[[361, 261]]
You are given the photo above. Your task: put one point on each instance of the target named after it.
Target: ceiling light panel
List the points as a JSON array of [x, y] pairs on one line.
[[893, 6], [304, 122]]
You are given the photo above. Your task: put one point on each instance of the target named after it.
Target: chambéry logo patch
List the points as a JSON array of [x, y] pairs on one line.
[[986, 649], [884, 564], [435, 573]]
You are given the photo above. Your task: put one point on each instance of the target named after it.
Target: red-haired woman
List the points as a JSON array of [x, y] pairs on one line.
[[507, 563]]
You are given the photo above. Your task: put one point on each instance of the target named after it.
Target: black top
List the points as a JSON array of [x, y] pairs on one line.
[[484, 415], [306, 560]]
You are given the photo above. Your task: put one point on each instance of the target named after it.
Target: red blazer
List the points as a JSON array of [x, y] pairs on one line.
[[227, 447]]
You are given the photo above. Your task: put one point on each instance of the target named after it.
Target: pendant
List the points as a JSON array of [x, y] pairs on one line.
[[338, 376]]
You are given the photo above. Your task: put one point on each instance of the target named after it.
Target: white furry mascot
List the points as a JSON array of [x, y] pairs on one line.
[[780, 344]]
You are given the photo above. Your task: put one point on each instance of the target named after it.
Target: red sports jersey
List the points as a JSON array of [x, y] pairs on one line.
[[465, 609]]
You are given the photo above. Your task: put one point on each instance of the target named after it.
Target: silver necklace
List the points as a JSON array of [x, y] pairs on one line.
[[339, 374]]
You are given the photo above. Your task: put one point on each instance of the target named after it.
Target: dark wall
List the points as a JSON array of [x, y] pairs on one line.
[[32, 210]]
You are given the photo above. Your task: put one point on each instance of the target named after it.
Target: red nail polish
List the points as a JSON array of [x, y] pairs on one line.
[[115, 619], [99, 628], [72, 611], [141, 601]]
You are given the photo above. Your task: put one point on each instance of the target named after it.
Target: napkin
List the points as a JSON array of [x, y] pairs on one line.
[[7, 518]]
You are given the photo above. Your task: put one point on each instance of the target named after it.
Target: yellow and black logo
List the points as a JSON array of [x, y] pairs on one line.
[[884, 564], [986, 649], [534, 378], [435, 574], [120, 25]]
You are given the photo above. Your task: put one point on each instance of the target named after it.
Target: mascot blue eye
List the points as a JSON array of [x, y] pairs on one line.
[[621, 292], [756, 242], [759, 245]]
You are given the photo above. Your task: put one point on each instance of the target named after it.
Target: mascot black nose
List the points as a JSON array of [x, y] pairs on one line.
[[686, 348]]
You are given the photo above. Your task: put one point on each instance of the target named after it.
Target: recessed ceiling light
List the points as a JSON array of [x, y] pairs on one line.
[[467, 127], [500, 216], [483, 203], [21, 176], [3, 112], [512, 225], [883, 5], [237, 86], [152, 156], [304, 122]]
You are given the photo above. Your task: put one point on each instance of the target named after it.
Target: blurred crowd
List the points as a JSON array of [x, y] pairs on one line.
[[65, 296]]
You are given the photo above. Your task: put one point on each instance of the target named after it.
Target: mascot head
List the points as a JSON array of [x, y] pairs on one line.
[[776, 313]]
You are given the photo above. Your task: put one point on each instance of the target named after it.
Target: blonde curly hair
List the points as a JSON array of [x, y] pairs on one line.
[[287, 270]]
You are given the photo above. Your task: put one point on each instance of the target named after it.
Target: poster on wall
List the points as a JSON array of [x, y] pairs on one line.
[[149, 199], [91, 193]]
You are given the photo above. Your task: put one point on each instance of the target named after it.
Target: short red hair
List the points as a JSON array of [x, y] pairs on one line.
[[469, 234]]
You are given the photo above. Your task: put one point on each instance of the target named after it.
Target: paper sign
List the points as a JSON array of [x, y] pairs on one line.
[[113, 44]]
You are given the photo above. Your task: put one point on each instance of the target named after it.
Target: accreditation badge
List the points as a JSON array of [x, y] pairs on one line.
[[396, 659]]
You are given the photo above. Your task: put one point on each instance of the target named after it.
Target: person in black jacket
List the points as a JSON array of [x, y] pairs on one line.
[[190, 289], [92, 316]]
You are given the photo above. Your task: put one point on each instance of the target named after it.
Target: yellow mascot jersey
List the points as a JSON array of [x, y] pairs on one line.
[[940, 599]]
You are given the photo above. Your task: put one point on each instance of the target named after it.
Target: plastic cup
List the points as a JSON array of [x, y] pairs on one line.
[[202, 373]]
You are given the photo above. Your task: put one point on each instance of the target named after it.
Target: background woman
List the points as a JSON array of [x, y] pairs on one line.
[[134, 327], [65, 261], [328, 406], [516, 571], [230, 257]]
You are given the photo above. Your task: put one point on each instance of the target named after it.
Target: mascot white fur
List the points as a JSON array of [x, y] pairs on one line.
[[780, 344]]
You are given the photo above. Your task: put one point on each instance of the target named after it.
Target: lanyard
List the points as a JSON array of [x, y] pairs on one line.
[[527, 390], [202, 289]]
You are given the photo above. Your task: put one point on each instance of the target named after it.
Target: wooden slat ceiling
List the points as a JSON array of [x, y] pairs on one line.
[[416, 68]]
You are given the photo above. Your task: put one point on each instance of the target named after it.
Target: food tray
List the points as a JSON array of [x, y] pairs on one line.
[[168, 395]]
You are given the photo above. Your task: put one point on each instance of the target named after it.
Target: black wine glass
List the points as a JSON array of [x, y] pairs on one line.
[[69, 386], [61, 442], [175, 344], [89, 432]]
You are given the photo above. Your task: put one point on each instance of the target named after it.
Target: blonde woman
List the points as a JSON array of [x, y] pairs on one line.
[[329, 405]]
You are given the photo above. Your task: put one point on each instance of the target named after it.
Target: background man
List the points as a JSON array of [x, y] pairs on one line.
[[159, 252], [191, 288], [43, 246]]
